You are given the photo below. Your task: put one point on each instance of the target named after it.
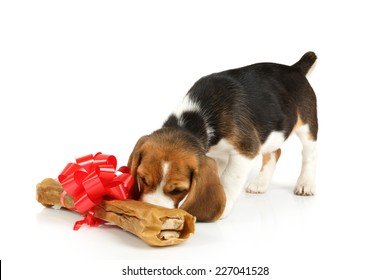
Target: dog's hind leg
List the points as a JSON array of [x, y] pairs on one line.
[[306, 181]]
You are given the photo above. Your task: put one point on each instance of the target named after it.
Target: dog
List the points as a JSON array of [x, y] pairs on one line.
[[200, 159]]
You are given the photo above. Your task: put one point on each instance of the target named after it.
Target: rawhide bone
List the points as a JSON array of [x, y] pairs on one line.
[[157, 226]]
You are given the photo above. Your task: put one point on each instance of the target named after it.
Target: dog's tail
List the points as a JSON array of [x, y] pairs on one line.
[[306, 63]]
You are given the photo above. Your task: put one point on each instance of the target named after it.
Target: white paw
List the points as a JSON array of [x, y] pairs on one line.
[[305, 188], [258, 185]]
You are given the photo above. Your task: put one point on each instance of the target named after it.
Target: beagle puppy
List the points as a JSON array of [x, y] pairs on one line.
[[200, 159]]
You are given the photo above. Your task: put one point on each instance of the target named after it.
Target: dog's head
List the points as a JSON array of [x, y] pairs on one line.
[[172, 170]]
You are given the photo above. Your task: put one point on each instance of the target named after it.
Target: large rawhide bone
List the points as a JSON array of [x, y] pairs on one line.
[[157, 226]]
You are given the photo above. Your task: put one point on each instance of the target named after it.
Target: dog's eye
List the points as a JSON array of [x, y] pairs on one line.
[[143, 180], [175, 192]]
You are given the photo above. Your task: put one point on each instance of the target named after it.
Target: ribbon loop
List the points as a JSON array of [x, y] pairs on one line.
[[93, 177]]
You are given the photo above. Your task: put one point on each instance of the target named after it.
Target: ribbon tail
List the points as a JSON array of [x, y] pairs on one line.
[[78, 224], [90, 220]]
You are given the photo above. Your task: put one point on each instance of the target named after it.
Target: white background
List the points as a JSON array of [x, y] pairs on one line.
[[78, 77]]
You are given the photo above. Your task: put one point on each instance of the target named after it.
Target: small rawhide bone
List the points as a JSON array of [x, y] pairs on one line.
[[157, 226]]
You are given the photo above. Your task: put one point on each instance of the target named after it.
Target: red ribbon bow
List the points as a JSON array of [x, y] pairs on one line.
[[90, 179]]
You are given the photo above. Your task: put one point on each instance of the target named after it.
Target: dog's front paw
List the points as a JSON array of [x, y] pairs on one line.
[[258, 185], [305, 189]]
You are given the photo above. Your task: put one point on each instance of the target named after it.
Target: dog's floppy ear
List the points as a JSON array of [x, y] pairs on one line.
[[136, 156], [206, 198]]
